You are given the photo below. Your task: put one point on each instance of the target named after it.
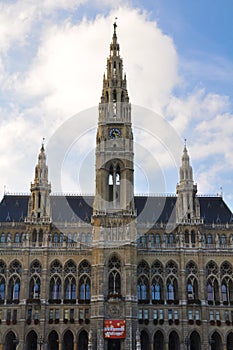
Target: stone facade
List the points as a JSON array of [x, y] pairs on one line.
[[70, 271]]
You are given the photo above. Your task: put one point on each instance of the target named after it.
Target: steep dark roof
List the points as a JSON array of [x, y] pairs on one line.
[[157, 209]]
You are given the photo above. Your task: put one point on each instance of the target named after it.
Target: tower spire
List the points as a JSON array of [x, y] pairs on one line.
[[187, 204], [39, 201], [114, 146]]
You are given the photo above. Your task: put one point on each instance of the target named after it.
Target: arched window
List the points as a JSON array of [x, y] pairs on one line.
[[84, 289], [224, 293], [14, 288], [15, 270], [143, 273], [40, 236], [143, 290], [17, 237], [2, 280], [70, 281], [114, 276], [193, 237], [156, 289], [34, 287], [35, 281], [34, 236], [209, 239], [70, 288], [192, 288], [84, 272], [171, 238], [212, 290], [55, 238], [171, 289], [157, 238], [186, 237], [3, 237], [55, 288], [223, 240], [2, 288], [69, 240]]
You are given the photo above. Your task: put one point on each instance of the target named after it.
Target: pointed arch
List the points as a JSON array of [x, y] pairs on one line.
[[191, 268], [145, 340], [212, 290], [84, 287], [68, 341], [174, 341], [171, 289], [114, 276], [157, 290], [31, 341], [10, 341], [159, 342], [171, 268], [83, 340], [53, 341], [143, 289], [230, 341], [157, 268], [216, 341], [195, 341]]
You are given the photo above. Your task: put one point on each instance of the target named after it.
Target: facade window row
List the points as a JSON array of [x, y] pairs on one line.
[[66, 283], [159, 283]]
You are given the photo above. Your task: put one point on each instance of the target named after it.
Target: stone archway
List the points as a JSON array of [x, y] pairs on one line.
[[10, 341], [174, 341], [68, 341], [145, 343], [83, 340], [216, 342], [53, 341], [230, 341], [195, 341], [31, 341], [159, 341]]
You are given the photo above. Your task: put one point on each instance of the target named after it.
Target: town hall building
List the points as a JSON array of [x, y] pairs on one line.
[[108, 275]]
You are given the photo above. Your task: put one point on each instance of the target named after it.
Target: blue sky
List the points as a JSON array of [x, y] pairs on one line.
[[178, 57]]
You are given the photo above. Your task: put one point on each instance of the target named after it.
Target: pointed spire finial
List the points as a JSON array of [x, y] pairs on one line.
[[115, 26], [42, 145]]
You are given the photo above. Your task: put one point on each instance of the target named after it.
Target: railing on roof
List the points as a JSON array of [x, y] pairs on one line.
[[73, 194]]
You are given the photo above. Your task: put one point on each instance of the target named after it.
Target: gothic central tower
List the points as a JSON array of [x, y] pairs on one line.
[[114, 149], [114, 293]]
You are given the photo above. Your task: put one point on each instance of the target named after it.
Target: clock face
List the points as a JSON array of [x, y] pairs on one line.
[[114, 133]]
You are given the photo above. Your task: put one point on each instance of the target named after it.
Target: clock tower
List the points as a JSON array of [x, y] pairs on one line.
[[114, 195], [114, 292]]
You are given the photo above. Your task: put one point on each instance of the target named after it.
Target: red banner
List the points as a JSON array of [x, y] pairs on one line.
[[114, 329]]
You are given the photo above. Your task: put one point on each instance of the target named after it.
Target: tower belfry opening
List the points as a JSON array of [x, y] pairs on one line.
[[114, 184]]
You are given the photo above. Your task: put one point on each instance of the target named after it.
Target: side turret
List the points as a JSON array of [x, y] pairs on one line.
[[39, 210], [187, 205]]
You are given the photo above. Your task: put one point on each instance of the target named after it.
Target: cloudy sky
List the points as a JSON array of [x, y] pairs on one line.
[[178, 58]]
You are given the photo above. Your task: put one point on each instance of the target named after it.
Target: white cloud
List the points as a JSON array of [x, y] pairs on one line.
[[64, 75]]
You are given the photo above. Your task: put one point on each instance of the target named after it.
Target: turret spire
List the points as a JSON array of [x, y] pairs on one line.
[[39, 202], [187, 203]]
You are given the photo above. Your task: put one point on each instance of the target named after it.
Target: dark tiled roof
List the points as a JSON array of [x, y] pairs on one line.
[[157, 209]]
